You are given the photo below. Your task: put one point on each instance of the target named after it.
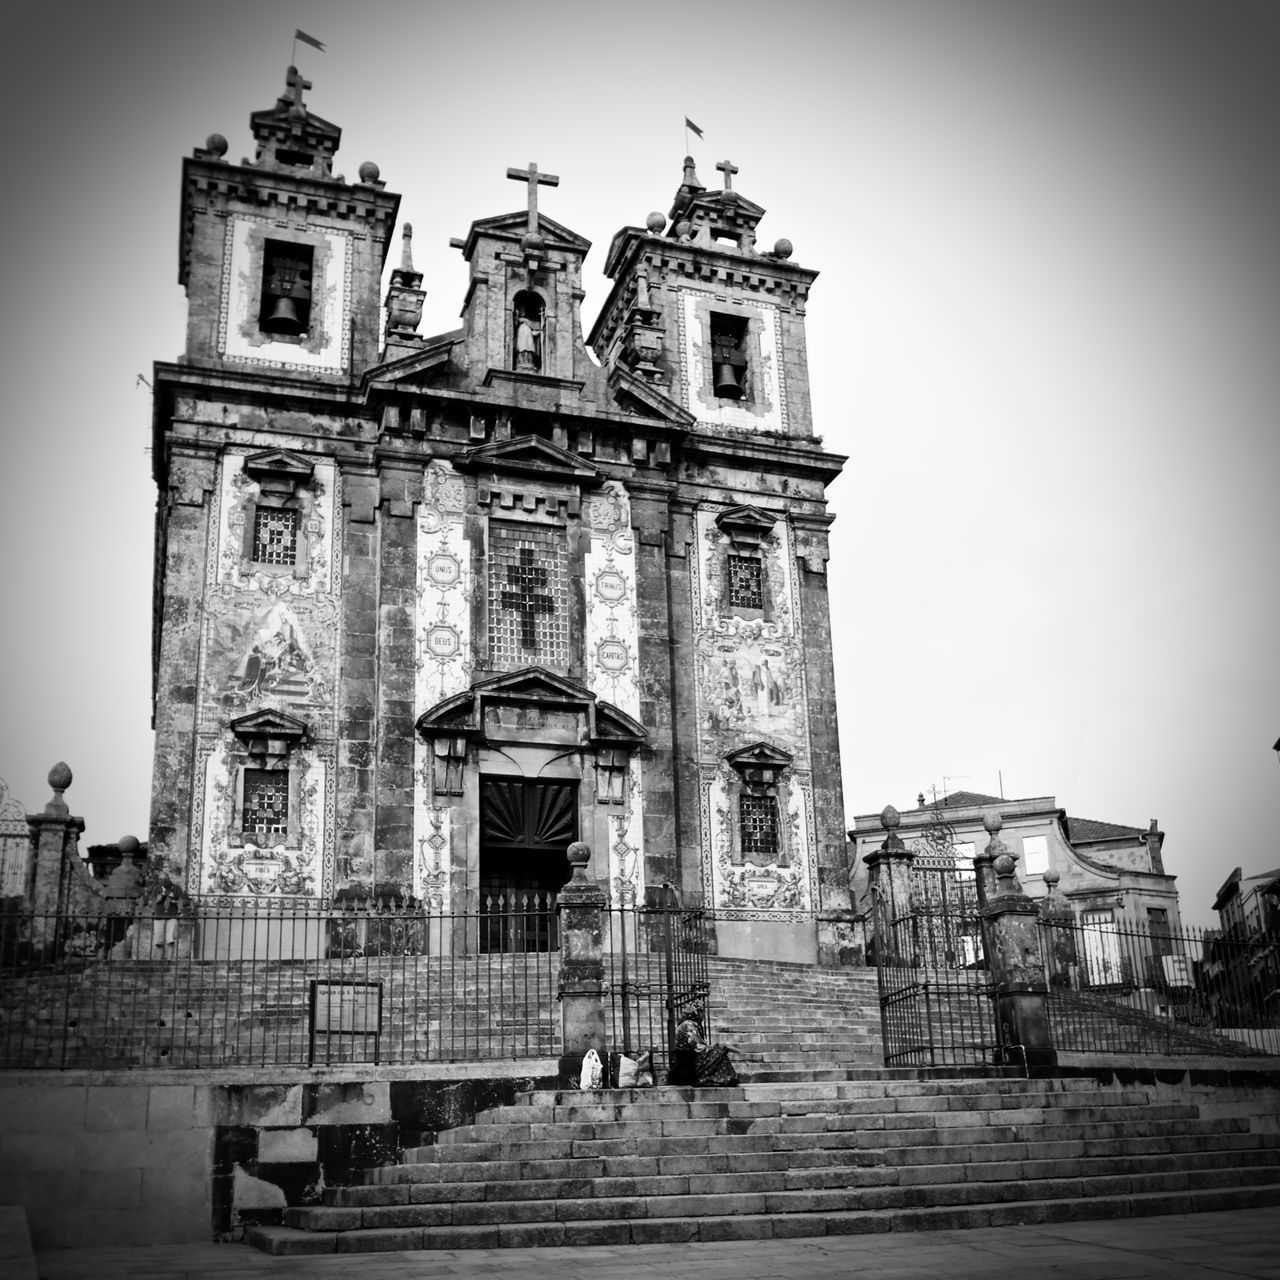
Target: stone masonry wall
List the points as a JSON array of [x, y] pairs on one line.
[[99, 1159]]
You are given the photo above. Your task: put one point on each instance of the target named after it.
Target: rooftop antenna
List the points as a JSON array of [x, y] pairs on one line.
[[950, 777], [1000, 775]]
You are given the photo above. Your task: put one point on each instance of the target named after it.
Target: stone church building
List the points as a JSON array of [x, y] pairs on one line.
[[430, 608]]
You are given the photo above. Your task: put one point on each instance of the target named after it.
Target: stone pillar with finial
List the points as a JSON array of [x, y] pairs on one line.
[[1060, 922], [55, 838], [889, 881], [582, 906], [1011, 924], [403, 305]]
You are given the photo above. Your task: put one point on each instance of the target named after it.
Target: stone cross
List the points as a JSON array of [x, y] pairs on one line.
[[296, 84], [728, 169], [523, 580], [535, 180]]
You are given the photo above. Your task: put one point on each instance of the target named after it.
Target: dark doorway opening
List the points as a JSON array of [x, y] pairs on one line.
[[525, 827]]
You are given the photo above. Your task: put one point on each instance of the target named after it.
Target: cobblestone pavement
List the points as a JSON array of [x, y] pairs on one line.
[[1243, 1242]]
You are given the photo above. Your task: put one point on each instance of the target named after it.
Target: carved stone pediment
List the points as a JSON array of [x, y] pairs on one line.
[[269, 732], [530, 456], [634, 395], [533, 704], [759, 764], [280, 464], [746, 525], [420, 368]]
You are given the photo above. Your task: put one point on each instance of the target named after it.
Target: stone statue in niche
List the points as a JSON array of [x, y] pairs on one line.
[[528, 332]]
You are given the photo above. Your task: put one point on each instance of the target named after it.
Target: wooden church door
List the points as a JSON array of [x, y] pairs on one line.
[[526, 825]]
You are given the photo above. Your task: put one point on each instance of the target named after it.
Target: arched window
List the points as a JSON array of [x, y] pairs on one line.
[[527, 332]]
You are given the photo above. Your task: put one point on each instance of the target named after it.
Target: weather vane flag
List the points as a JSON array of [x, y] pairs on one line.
[[690, 127], [299, 34]]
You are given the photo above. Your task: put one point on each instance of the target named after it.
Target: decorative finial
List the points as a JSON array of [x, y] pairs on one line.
[[992, 822], [369, 173], [216, 143], [783, 249], [690, 178], [655, 222], [128, 846], [890, 818], [579, 854], [59, 779], [406, 247]]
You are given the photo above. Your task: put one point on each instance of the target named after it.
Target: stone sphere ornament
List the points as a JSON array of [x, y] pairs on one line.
[[216, 143], [683, 228], [655, 222], [128, 845], [992, 822], [890, 818], [60, 776], [369, 172], [783, 249], [1004, 865]]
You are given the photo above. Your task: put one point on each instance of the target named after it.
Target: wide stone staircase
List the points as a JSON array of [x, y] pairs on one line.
[[796, 1021], [803, 1158]]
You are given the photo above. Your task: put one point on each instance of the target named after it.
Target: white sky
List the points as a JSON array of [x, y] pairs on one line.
[[1045, 333]]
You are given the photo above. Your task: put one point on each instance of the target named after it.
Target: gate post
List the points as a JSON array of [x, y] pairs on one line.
[[581, 904], [889, 880], [1012, 926], [54, 835]]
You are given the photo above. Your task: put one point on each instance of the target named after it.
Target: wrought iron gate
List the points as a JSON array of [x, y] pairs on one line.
[[657, 973], [935, 990]]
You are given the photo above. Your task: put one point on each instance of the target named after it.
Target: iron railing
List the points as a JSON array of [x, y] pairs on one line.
[[1120, 988], [279, 985]]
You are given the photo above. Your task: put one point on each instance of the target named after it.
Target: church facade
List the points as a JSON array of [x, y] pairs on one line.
[[430, 608]]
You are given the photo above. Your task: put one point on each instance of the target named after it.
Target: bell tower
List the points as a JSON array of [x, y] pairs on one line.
[[281, 257], [700, 311]]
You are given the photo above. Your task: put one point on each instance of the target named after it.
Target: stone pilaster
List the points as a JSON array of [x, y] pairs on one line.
[[581, 905], [1012, 926], [889, 882]]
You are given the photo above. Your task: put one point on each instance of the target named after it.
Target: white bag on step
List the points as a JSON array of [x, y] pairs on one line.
[[592, 1071], [628, 1071]]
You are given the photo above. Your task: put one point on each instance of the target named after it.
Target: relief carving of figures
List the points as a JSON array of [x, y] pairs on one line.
[[266, 654]]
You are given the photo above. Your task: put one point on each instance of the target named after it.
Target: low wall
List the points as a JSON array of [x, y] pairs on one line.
[[167, 1157]]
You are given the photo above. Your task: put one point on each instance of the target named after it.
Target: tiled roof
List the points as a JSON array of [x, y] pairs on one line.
[[1091, 829], [963, 799]]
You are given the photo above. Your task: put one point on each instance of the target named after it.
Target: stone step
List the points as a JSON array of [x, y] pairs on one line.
[[793, 1178], [743, 1200], [756, 1226], [834, 1116], [773, 1151]]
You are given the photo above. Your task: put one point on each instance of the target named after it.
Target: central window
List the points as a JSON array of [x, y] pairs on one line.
[[528, 596]]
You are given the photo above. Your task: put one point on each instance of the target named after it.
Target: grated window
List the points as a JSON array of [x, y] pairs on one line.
[[266, 802], [759, 819], [528, 592], [275, 536], [746, 583]]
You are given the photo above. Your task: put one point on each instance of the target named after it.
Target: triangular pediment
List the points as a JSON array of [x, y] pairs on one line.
[[634, 395], [529, 455], [419, 368], [746, 523], [278, 462], [760, 754], [269, 723], [513, 226]]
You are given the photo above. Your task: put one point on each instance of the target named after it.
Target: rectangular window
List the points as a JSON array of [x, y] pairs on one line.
[[285, 308], [746, 582], [1159, 931], [1035, 855], [275, 536], [265, 811], [528, 596], [759, 820]]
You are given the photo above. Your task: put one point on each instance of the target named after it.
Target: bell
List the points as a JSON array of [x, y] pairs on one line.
[[284, 317], [727, 386]]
